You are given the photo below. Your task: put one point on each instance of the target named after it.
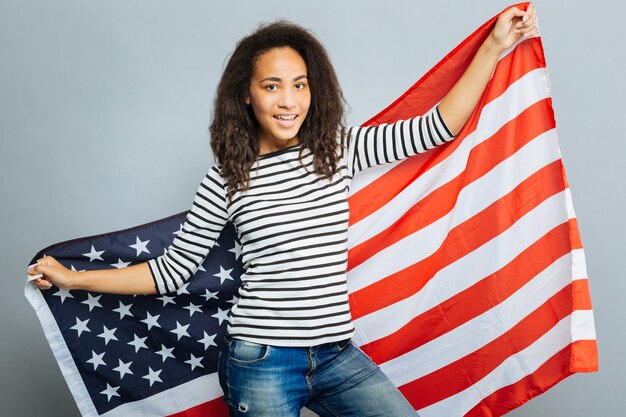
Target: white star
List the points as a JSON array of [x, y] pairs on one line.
[[236, 250], [207, 341], [96, 359], [224, 274], [108, 335], [193, 309], [208, 294], [94, 254], [180, 331], [63, 294], [140, 246], [153, 376], [165, 352], [166, 300], [151, 320], [123, 310], [120, 264], [81, 326], [123, 368], [193, 361], [138, 342], [177, 232], [221, 315], [110, 392], [233, 300], [74, 269], [201, 268], [183, 290], [92, 301]]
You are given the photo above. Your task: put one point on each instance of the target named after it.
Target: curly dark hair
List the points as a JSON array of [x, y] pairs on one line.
[[234, 129]]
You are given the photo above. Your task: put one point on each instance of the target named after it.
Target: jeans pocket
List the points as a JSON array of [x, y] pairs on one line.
[[342, 344], [247, 353]]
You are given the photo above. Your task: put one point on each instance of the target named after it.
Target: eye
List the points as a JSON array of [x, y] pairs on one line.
[[300, 86], [271, 87]]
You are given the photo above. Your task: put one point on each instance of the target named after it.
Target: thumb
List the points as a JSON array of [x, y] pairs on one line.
[[39, 268]]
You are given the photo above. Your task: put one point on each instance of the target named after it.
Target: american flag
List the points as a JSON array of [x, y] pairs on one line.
[[467, 276]]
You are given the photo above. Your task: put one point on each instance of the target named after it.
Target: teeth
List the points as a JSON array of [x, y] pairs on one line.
[[285, 116]]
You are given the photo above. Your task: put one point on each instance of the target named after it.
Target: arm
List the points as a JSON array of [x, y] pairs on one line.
[[134, 279], [457, 106], [166, 273], [374, 145]]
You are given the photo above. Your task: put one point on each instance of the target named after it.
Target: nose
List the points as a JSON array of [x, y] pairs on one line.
[[287, 99]]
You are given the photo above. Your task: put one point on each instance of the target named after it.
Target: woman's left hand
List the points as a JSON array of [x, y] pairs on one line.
[[513, 24]]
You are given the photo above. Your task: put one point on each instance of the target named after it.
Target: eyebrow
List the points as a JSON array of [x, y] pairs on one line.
[[299, 77]]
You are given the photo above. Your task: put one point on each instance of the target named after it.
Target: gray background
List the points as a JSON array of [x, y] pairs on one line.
[[104, 107]]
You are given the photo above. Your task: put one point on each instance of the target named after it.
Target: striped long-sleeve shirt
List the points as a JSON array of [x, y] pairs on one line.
[[292, 226]]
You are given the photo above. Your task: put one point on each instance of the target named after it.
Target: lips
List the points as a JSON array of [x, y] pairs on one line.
[[286, 120]]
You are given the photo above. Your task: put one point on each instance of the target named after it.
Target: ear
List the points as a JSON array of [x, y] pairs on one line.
[[248, 100]]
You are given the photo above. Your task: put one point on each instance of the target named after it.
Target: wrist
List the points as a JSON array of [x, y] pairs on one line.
[[74, 280], [492, 45]]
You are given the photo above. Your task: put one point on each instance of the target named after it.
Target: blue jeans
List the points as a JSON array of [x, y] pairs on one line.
[[334, 379]]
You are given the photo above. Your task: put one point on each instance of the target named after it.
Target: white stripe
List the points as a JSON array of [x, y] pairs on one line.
[[471, 200], [482, 329], [570, 205], [579, 268], [60, 350], [583, 327], [466, 271], [526, 91], [181, 397]]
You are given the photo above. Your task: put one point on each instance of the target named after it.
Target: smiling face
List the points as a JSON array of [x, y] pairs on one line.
[[280, 97]]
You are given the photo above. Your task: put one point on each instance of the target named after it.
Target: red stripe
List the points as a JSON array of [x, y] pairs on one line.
[[476, 300], [463, 373], [507, 398], [214, 408], [581, 300], [575, 234], [460, 241], [584, 357], [532, 122]]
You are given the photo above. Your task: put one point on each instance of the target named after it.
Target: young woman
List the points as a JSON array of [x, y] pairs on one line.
[[285, 163]]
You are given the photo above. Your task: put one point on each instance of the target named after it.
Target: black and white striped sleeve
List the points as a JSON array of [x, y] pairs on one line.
[[202, 227], [375, 145]]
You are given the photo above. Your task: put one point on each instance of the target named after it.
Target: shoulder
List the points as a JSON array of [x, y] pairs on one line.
[[215, 173], [214, 182]]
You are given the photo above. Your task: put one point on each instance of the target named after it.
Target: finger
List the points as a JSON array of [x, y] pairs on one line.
[[32, 269], [45, 260], [511, 13], [43, 284], [39, 268], [529, 28], [530, 12], [529, 22], [530, 33]]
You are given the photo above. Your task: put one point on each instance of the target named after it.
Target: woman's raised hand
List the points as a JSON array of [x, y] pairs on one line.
[[513, 24], [53, 273]]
